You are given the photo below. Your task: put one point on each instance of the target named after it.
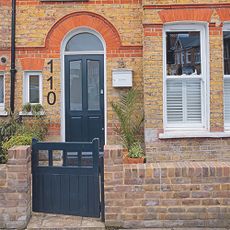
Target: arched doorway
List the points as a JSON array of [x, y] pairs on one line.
[[83, 57]]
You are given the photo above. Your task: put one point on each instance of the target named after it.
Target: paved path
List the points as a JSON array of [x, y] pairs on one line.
[[53, 221]]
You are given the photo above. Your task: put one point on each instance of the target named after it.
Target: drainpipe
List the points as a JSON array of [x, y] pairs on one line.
[[12, 70]]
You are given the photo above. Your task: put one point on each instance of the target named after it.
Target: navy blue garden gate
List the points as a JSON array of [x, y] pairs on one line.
[[67, 178]]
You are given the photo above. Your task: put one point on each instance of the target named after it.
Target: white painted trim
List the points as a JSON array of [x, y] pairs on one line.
[[205, 74], [41, 113], [170, 135], [63, 53], [25, 83]]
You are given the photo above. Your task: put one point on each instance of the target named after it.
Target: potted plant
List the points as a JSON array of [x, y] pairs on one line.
[[26, 108], [37, 109], [130, 115], [135, 154]]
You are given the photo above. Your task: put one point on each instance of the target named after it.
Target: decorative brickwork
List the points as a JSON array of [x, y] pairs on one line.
[[182, 194], [15, 189]]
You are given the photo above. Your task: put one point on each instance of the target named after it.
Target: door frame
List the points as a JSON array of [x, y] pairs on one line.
[[63, 53]]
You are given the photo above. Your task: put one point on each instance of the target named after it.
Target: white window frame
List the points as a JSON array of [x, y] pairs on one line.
[[26, 91], [2, 105], [205, 98], [226, 28]]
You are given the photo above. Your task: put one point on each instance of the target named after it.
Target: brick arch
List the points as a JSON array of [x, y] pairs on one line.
[[185, 15], [83, 19]]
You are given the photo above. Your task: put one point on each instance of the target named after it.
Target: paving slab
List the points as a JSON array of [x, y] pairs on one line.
[[53, 221]]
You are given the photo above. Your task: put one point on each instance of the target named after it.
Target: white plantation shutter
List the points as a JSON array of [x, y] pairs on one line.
[[227, 100], [174, 101], [184, 101], [193, 96]]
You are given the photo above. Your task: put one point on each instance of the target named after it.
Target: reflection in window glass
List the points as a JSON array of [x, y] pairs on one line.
[[183, 53], [93, 85], [34, 88], [227, 52], [84, 42], [1, 89], [75, 85]]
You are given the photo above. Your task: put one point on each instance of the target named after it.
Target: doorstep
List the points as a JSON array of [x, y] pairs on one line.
[[55, 221]]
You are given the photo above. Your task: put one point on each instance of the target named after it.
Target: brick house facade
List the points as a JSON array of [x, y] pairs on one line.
[[134, 32]]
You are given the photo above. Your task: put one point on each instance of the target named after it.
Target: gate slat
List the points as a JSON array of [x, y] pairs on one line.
[[50, 158]]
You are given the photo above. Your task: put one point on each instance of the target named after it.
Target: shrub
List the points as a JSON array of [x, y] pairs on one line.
[[24, 139], [15, 131]]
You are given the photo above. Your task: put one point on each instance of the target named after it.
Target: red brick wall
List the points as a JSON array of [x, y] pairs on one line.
[[182, 194]]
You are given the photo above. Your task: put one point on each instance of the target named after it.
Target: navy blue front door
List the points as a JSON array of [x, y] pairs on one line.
[[84, 98]]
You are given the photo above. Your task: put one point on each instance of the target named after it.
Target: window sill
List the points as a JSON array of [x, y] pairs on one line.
[[42, 113], [197, 134], [3, 113]]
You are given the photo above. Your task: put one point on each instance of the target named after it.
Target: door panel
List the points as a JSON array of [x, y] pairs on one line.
[[84, 98]]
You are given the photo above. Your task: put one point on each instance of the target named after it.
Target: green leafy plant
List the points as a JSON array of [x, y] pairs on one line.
[[15, 131], [9, 126], [136, 151], [26, 107], [24, 139], [36, 108], [130, 115]]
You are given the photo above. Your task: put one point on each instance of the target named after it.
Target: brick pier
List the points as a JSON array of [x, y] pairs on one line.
[[15, 189]]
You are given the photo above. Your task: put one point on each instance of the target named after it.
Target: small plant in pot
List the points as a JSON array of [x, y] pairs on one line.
[[129, 112], [37, 109], [135, 154], [26, 108]]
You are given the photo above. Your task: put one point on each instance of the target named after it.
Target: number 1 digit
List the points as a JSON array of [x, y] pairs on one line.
[[51, 65]]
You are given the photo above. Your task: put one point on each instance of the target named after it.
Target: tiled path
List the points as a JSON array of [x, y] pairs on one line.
[[53, 221]]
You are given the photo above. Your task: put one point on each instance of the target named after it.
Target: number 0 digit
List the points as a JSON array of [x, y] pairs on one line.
[[51, 98]]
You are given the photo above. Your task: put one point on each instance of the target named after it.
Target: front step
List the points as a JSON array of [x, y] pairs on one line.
[[56, 221]]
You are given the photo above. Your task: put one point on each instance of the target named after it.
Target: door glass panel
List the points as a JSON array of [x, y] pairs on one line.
[[75, 85], [34, 88], [93, 85]]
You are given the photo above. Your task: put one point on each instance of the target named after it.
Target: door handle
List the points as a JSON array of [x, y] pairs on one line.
[[102, 91]]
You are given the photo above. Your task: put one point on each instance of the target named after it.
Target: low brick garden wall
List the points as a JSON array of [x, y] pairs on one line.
[[15, 189], [180, 194]]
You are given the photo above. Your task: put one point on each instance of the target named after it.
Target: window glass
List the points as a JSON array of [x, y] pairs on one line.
[[1, 89], [226, 35], [227, 52], [84, 42], [75, 85], [34, 88], [93, 85], [183, 53]]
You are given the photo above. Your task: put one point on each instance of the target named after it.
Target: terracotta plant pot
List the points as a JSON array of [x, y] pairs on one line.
[[128, 160]]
